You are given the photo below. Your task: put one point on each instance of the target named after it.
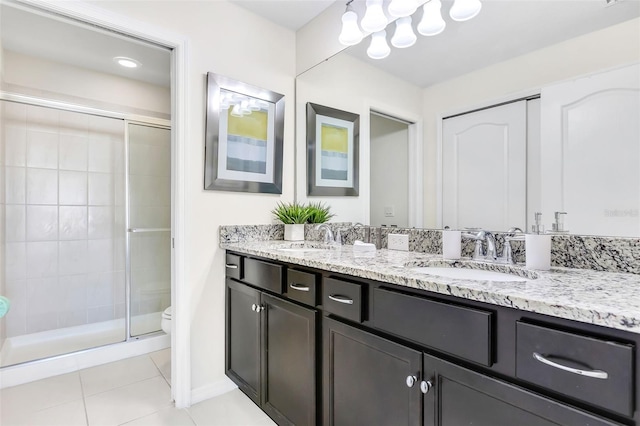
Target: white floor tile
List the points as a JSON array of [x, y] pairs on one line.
[[129, 402], [162, 360], [68, 414], [20, 400], [230, 409], [117, 374], [170, 416]]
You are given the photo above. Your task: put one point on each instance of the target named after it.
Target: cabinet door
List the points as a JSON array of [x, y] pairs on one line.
[[243, 338], [464, 397], [288, 362], [365, 379]]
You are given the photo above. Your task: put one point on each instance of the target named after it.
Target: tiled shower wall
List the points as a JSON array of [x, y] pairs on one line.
[[64, 218]]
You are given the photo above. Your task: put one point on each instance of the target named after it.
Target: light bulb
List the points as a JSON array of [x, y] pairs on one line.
[[432, 22], [463, 10], [379, 49], [254, 105], [402, 8], [235, 111], [374, 19], [350, 34], [404, 35], [224, 102], [244, 107]]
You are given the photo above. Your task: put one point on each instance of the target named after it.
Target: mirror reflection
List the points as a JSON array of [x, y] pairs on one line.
[[529, 107]]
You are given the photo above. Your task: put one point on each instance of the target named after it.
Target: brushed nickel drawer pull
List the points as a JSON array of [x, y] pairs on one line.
[[596, 374], [230, 266], [299, 287], [341, 299]]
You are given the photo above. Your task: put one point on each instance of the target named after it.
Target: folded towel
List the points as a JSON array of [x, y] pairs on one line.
[[5, 304]]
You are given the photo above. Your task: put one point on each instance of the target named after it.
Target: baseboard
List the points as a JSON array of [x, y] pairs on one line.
[[211, 390]]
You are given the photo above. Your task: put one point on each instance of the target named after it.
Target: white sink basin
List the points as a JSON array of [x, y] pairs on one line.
[[468, 274]]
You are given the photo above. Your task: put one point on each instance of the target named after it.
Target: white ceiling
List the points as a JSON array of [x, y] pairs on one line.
[[80, 45], [503, 29]]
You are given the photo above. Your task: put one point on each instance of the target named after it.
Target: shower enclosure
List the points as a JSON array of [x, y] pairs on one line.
[[85, 255]]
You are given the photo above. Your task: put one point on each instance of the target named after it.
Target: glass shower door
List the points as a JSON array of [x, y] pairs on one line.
[[149, 226]]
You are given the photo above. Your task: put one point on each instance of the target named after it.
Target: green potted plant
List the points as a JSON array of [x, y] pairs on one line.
[[319, 213], [294, 216]]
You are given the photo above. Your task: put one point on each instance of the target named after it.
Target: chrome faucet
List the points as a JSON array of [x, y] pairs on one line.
[[507, 250], [328, 234], [480, 253]]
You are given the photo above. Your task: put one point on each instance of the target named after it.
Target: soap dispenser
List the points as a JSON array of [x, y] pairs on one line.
[[538, 246], [451, 244]]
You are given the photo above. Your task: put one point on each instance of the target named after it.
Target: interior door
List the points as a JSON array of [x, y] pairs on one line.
[[590, 152], [484, 168]]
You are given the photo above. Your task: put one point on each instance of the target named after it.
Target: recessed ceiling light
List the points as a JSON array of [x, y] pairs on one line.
[[126, 62]]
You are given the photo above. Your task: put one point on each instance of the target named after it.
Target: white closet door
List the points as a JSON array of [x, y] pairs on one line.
[[484, 168], [590, 152]]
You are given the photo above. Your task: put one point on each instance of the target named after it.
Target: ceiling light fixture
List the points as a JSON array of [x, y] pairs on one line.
[[123, 61], [375, 21], [463, 10], [350, 34], [432, 22], [379, 49], [404, 35]]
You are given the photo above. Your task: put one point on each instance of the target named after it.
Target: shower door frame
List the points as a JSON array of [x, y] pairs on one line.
[[181, 328]]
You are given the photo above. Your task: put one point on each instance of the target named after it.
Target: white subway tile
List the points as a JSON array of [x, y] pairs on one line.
[[101, 222], [42, 296], [73, 293], [42, 223], [100, 255], [73, 188], [15, 261], [72, 257], [42, 149], [72, 222], [15, 145], [73, 152], [101, 155], [73, 123], [42, 118], [15, 223], [42, 186], [42, 322], [100, 189], [16, 185], [42, 259]]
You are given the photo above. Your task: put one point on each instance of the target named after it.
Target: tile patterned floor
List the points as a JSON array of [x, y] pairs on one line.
[[132, 392]]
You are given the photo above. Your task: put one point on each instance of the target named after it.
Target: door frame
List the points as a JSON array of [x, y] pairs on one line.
[[415, 162], [181, 329]]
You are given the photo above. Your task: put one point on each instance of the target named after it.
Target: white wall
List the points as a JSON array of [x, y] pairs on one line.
[[32, 76], [351, 85], [264, 57], [390, 176], [607, 48]]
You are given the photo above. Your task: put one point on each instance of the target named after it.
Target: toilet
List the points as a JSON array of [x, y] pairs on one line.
[[166, 320]]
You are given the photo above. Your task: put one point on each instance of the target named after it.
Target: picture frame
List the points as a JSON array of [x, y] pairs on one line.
[[243, 137], [333, 138]]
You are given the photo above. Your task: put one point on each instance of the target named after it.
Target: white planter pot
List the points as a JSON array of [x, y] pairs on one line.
[[294, 232]]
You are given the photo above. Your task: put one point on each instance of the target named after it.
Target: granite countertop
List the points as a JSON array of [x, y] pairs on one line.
[[601, 298]]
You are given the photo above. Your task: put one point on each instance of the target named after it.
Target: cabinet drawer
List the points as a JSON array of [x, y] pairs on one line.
[[233, 266], [457, 330], [263, 274], [301, 286], [596, 371], [342, 298]]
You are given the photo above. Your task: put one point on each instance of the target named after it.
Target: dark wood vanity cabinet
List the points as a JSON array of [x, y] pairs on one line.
[[271, 348], [390, 355]]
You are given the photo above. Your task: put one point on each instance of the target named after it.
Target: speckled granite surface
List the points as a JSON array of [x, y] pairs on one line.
[[603, 298], [610, 254]]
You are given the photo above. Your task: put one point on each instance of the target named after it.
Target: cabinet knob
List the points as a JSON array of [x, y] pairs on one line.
[[425, 386], [254, 307], [411, 380], [259, 308]]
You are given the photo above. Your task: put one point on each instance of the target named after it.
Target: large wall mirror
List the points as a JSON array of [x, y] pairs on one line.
[[538, 53]]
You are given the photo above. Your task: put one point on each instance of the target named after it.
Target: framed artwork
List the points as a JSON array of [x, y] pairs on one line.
[[332, 151], [243, 138]]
